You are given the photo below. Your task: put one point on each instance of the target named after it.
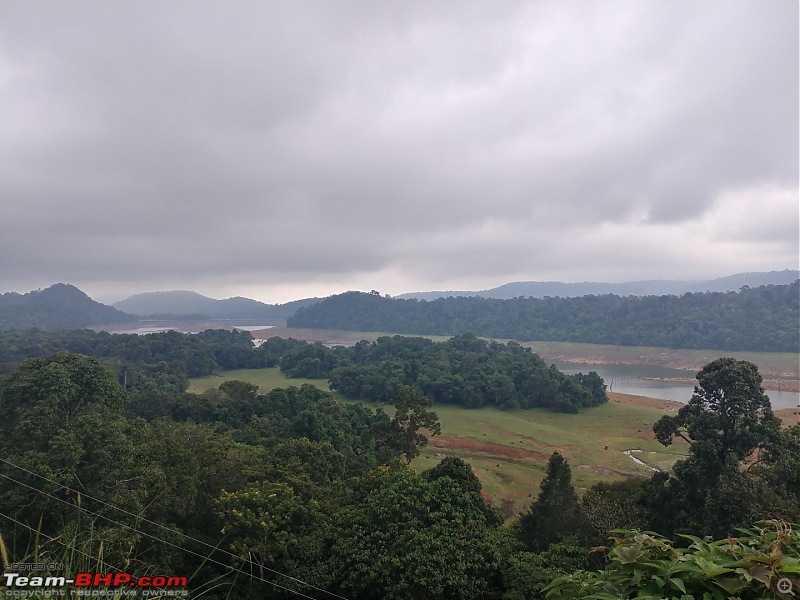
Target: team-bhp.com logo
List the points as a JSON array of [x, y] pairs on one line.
[[94, 584]]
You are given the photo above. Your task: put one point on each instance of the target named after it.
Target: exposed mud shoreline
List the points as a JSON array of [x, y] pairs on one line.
[[781, 385], [781, 371]]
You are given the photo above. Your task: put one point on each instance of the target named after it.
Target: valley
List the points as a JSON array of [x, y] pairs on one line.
[[509, 449]]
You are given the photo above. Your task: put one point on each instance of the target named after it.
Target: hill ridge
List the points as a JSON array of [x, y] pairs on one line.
[[645, 287], [60, 306], [183, 302]]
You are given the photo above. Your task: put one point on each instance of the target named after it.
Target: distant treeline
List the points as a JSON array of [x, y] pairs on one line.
[[163, 360], [765, 319], [464, 370]]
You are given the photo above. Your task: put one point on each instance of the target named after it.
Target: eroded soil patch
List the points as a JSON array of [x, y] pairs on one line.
[[473, 445]]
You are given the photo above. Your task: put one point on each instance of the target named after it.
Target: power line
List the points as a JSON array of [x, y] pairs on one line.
[[163, 541], [139, 517], [209, 559]]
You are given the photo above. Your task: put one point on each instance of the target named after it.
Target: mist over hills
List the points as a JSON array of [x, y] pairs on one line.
[[655, 287], [64, 306], [184, 302]]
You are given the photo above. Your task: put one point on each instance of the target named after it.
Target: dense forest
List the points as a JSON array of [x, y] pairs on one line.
[[653, 287], [766, 318], [293, 494], [465, 370], [163, 360]]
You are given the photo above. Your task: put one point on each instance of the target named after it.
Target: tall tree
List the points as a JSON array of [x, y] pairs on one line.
[[411, 537], [729, 414], [556, 514], [728, 420], [403, 434]]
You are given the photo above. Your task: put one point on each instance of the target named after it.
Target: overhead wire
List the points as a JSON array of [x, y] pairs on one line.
[[208, 558]]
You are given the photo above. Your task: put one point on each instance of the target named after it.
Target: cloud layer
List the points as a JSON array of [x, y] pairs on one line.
[[288, 149]]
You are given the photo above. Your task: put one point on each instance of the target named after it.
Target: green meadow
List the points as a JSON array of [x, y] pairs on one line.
[[508, 449], [265, 379]]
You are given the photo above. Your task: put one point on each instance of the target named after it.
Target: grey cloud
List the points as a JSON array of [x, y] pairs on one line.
[[270, 139]]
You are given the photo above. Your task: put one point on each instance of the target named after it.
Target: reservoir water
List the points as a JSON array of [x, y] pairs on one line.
[[643, 380], [144, 330]]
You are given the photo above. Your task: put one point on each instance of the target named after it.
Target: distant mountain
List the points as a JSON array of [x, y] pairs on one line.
[[655, 287], [61, 306], [184, 302]]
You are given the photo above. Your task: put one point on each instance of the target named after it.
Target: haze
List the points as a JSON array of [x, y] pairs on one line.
[[280, 150]]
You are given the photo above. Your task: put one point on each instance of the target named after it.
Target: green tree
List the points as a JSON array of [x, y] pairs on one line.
[[556, 514], [271, 528], [44, 396], [615, 505], [409, 537], [402, 435], [69, 452], [729, 413], [728, 420]]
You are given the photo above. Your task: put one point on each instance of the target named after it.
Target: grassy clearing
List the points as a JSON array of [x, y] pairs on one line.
[[508, 449], [335, 336], [266, 380]]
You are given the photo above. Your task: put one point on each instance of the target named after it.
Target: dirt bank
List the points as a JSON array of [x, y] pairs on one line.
[[473, 445]]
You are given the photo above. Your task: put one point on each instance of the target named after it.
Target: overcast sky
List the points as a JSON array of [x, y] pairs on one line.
[[280, 150]]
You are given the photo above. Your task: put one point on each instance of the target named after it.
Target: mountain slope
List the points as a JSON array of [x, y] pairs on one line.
[[765, 318], [184, 302], [61, 306]]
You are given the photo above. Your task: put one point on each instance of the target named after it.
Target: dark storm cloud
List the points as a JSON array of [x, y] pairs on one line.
[[154, 145]]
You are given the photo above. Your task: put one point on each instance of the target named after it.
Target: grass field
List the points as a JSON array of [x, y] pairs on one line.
[[265, 379], [509, 449]]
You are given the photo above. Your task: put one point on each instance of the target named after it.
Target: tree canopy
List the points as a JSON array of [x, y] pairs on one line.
[[730, 427], [765, 318]]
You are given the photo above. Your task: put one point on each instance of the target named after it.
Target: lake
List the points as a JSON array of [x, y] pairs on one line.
[[189, 328], [635, 380]]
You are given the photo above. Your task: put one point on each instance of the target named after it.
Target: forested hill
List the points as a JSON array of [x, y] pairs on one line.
[[653, 287], [463, 370], [765, 318], [61, 306], [182, 302]]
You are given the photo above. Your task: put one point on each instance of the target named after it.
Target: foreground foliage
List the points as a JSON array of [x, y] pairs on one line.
[[763, 562], [265, 495]]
